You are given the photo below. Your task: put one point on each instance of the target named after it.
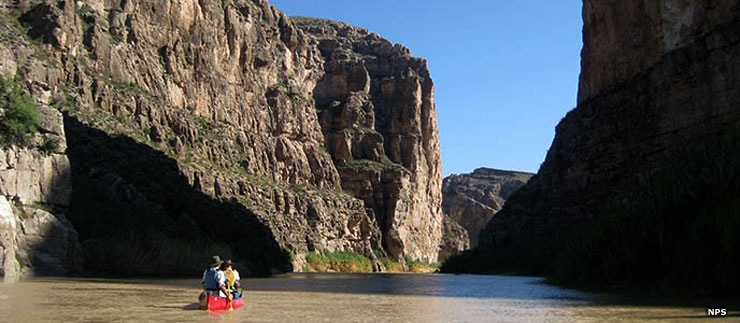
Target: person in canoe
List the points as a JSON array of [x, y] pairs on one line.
[[233, 281], [214, 283]]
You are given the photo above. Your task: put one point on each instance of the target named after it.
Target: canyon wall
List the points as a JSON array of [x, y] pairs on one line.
[[35, 180], [656, 76], [377, 113], [473, 199], [225, 121]]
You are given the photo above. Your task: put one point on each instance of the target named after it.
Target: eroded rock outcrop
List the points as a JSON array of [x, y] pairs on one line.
[[656, 76], [35, 186], [377, 113], [473, 199], [216, 102]]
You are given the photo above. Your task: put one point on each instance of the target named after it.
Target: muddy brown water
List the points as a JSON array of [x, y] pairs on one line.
[[336, 298]]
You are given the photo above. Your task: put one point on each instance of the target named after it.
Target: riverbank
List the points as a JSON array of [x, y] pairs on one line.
[[349, 262]]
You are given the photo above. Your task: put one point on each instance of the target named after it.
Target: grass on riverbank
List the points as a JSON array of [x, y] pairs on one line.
[[418, 266], [340, 261], [349, 262]]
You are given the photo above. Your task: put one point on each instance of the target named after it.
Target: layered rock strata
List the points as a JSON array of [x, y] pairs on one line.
[[473, 199], [376, 109], [656, 76], [224, 95]]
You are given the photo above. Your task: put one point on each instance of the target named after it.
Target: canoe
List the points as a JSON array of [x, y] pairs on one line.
[[222, 304]]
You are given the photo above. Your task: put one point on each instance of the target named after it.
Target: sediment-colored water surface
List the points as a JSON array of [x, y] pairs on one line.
[[336, 298]]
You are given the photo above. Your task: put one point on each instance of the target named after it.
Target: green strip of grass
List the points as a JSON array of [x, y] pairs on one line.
[[340, 261]]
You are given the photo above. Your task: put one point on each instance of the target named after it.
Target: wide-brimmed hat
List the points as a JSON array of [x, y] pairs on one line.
[[216, 261]]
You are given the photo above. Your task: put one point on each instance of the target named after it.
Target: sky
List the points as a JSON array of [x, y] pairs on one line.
[[505, 72]]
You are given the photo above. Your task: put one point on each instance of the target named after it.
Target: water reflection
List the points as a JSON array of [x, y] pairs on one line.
[[473, 286]]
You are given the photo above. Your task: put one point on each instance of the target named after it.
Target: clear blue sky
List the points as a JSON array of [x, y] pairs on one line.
[[505, 71]]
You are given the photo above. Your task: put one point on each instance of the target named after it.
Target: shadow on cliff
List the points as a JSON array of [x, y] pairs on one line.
[[138, 215], [670, 231]]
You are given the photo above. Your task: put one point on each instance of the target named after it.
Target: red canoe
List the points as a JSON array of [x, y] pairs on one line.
[[223, 304]]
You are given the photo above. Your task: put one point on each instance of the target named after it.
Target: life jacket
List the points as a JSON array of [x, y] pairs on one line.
[[211, 279], [229, 279]]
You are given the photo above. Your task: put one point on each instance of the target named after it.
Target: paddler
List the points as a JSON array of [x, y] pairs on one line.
[[214, 282], [233, 281]]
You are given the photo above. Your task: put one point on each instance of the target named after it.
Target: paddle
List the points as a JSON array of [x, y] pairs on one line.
[[230, 299]]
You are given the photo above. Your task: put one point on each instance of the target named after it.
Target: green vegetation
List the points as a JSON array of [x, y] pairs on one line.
[[50, 145], [370, 165], [340, 261], [117, 38], [673, 231], [390, 265], [130, 88], [415, 266], [20, 116], [418, 266]]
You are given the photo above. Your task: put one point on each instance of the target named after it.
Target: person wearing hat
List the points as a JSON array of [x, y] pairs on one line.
[[233, 283], [214, 282]]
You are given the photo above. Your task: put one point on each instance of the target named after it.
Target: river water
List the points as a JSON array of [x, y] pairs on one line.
[[335, 298]]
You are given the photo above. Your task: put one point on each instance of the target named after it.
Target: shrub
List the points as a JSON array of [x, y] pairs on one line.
[[20, 116], [50, 145], [418, 266]]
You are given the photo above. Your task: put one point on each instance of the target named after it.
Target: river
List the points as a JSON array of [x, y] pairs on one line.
[[334, 298]]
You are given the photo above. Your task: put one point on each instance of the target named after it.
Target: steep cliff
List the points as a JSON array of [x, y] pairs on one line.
[[195, 123], [473, 199], [657, 76], [377, 113], [35, 177]]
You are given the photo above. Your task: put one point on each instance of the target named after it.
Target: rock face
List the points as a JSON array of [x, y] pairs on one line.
[[377, 113], [473, 199], [455, 239], [224, 96], [35, 186], [656, 76]]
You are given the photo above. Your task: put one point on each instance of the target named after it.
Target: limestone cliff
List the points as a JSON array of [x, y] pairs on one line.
[[656, 76], [473, 199], [377, 113], [198, 120], [35, 184]]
